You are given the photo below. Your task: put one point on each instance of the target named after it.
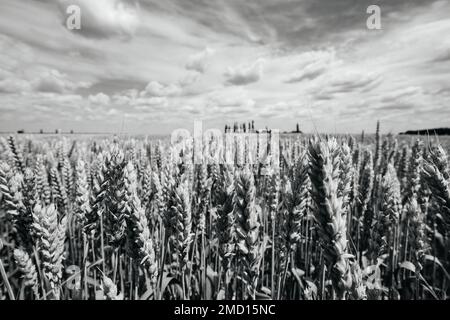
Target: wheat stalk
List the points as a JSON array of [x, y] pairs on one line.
[[52, 236], [28, 269], [247, 230], [329, 215]]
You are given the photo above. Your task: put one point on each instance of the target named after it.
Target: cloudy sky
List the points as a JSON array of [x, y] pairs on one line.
[[152, 66]]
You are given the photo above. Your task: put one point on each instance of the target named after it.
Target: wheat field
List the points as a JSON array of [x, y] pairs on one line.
[[115, 218]]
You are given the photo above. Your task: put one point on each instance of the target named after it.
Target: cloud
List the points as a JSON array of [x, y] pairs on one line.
[[314, 64], [156, 89], [199, 61], [229, 100], [99, 99], [244, 74], [401, 93], [54, 81], [350, 82], [193, 110], [152, 102], [443, 55], [413, 98], [276, 110], [444, 91], [14, 54], [189, 79], [134, 100], [396, 106], [12, 85], [104, 18]]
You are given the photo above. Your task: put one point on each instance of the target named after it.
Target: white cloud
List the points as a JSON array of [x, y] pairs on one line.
[[230, 100], [99, 99], [156, 89], [55, 81], [199, 61], [189, 79], [151, 102], [312, 65], [244, 74], [12, 85], [104, 18], [344, 82], [443, 53]]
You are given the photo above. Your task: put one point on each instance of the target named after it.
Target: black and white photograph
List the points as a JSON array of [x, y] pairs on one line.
[[247, 152]]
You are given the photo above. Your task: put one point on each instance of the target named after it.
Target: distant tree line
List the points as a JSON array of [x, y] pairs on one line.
[[250, 127], [41, 131], [432, 132]]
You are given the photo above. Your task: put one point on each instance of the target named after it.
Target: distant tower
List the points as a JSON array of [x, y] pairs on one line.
[[298, 128]]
